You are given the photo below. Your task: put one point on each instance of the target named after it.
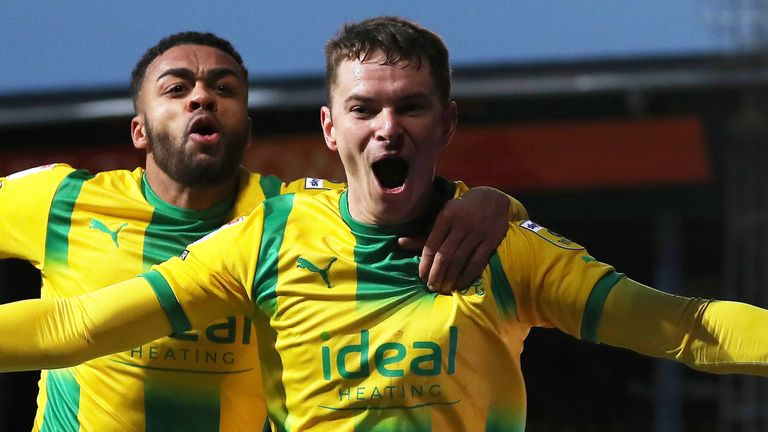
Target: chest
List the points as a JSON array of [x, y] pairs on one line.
[[362, 298], [100, 241]]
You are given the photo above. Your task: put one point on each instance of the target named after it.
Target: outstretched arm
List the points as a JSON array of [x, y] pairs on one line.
[[464, 235], [712, 336], [54, 333]]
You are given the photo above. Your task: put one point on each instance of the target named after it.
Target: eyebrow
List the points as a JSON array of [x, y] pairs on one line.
[[357, 98], [213, 74], [416, 96]]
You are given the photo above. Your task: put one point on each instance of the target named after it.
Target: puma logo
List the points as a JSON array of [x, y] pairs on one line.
[[99, 225], [305, 264]]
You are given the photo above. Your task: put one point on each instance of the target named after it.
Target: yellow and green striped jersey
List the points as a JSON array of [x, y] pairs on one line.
[[84, 231], [351, 340]]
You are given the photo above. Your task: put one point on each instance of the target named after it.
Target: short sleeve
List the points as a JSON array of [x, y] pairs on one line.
[[554, 281], [25, 203]]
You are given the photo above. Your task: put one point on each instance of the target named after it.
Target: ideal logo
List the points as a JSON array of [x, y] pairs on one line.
[[221, 333], [303, 263], [389, 358], [99, 226]]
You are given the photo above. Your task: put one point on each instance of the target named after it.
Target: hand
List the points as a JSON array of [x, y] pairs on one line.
[[464, 235]]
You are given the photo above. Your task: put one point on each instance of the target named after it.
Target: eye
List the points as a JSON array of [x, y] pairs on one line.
[[414, 108], [175, 89], [361, 111], [224, 88]]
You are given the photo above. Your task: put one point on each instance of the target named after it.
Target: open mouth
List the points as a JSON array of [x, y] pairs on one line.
[[204, 128], [391, 173]]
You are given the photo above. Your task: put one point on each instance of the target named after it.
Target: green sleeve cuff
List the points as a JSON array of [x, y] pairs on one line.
[[590, 320], [168, 301]]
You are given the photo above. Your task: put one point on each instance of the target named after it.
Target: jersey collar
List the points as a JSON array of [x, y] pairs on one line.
[[419, 225], [220, 210]]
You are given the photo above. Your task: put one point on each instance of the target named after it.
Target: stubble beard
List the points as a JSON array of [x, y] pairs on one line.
[[187, 170]]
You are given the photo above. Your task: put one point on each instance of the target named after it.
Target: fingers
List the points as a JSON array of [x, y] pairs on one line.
[[435, 241], [441, 275], [451, 275], [475, 266], [465, 234]]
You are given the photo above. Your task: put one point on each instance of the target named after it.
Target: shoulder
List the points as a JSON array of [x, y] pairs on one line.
[[322, 202], [529, 245], [33, 192], [542, 236], [118, 178], [326, 198], [312, 185], [302, 209], [263, 185], [42, 171], [37, 179]]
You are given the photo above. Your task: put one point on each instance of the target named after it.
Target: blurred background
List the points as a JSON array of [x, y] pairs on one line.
[[636, 128]]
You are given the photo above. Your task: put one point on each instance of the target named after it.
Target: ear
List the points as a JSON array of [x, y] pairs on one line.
[[450, 120], [329, 132], [139, 132]]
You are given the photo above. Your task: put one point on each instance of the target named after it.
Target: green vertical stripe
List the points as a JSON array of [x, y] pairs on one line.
[[453, 344], [168, 233], [270, 185], [404, 421], [172, 406], [502, 291], [60, 217], [590, 321], [504, 419], [388, 280], [170, 304], [172, 228], [276, 212], [63, 403], [384, 270]]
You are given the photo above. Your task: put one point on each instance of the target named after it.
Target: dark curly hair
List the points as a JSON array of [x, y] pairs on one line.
[[176, 39]]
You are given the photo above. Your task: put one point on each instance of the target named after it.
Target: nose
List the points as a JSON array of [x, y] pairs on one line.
[[201, 98], [388, 126]]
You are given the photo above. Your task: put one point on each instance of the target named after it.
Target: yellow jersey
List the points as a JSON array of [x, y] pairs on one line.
[[359, 342], [85, 231]]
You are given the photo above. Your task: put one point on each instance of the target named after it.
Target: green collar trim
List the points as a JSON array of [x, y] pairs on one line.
[[218, 211], [445, 191]]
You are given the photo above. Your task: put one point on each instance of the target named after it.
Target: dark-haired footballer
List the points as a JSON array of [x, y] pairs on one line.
[[84, 231]]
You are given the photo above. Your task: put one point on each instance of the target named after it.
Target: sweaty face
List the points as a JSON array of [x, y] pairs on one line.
[[193, 105], [388, 124]]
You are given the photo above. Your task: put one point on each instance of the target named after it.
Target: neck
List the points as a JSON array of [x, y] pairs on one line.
[[396, 210], [194, 198]]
